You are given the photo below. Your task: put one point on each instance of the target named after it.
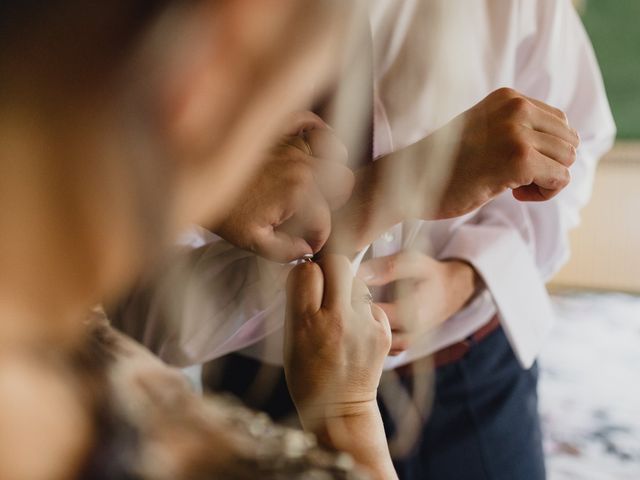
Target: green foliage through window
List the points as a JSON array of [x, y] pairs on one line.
[[614, 28]]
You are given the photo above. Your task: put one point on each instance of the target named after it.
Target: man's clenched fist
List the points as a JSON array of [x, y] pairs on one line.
[[509, 141]]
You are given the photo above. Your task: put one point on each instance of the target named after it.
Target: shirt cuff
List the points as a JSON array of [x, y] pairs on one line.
[[504, 262]]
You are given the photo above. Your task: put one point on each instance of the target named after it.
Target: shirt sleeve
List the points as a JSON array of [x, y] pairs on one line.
[[213, 300], [514, 246]]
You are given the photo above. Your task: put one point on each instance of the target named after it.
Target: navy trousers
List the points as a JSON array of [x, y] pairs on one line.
[[484, 424]]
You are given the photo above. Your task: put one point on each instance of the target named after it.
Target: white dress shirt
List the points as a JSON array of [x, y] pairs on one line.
[[539, 48]]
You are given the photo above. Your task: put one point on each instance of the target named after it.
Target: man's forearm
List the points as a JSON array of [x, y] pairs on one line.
[[371, 210], [399, 186]]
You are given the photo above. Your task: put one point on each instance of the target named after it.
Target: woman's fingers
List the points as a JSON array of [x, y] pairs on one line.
[[399, 343], [391, 312], [338, 282], [381, 317], [361, 298], [312, 220], [328, 157], [335, 180], [305, 289], [303, 121], [325, 145], [281, 246]]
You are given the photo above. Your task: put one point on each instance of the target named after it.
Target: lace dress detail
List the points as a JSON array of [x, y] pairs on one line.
[[154, 427]]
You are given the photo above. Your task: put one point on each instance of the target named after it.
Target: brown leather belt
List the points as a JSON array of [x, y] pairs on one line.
[[457, 351]]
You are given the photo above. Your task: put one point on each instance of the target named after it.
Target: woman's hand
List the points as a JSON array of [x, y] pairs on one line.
[[336, 341], [285, 212]]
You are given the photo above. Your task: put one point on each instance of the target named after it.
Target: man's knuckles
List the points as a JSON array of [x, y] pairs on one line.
[[560, 179], [522, 164], [570, 155], [503, 94], [518, 109]]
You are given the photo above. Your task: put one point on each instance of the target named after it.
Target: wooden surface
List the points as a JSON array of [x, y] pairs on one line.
[[606, 246]]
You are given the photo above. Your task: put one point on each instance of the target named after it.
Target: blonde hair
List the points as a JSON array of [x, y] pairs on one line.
[[65, 186]]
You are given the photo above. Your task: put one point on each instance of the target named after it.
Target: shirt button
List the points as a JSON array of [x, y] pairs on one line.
[[388, 237]]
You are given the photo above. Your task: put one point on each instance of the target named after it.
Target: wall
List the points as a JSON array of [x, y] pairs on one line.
[[606, 246]]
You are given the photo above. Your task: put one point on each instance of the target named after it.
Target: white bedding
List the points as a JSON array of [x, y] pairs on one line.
[[590, 388]]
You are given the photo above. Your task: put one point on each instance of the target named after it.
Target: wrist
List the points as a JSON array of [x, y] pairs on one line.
[[373, 208], [318, 418], [361, 434]]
